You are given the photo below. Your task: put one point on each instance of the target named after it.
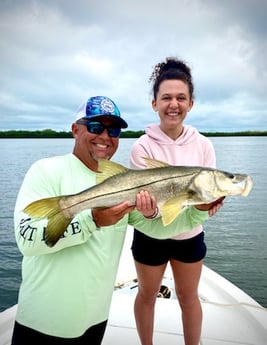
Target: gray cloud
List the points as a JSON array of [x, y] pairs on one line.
[[54, 54]]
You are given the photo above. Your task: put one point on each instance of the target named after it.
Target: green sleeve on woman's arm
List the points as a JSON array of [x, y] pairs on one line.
[[188, 219]]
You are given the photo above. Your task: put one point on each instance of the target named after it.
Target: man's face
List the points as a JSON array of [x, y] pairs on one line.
[[89, 147]]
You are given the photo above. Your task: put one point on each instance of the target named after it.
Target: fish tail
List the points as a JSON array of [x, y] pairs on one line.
[[43, 208], [57, 223], [56, 226]]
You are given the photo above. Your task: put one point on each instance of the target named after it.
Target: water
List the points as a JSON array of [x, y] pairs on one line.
[[236, 236]]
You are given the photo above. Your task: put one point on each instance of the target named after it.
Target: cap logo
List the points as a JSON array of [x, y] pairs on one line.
[[98, 106], [107, 106]]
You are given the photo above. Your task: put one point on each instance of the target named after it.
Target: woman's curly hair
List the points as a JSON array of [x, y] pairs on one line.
[[171, 68]]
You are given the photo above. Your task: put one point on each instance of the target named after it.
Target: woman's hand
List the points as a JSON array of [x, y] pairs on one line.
[[146, 204], [213, 207]]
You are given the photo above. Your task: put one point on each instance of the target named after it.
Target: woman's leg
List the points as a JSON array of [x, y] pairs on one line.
[[149, 281], [187, 276]]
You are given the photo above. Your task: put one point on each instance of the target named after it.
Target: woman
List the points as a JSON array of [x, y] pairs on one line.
[[177, 144]]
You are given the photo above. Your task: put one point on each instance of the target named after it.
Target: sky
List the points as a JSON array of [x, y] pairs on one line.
[[56, 53]]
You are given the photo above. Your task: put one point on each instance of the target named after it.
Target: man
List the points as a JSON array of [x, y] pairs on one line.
[[66, 290]]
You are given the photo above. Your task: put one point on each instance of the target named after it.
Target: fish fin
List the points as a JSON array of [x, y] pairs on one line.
[[43, 208], [57, 223], [154, 163], [170, 210], [55, 228], [107, 169]]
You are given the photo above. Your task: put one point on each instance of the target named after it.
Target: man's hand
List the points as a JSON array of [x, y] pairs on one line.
[[213, 207], [111, 215]]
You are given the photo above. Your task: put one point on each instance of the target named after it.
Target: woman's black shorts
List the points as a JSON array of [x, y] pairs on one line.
[[153, 252]]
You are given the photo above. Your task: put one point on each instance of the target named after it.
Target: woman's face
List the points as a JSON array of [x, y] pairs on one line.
[[173, 102]]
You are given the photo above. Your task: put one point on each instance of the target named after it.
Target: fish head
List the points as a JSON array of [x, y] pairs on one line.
[[213, 184], [235, 184], [232, 184]]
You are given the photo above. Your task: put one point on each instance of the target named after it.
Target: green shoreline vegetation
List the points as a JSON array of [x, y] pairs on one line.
[[49, 133]]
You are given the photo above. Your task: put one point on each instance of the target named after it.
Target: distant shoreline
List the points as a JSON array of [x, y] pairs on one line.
[[51, 134]]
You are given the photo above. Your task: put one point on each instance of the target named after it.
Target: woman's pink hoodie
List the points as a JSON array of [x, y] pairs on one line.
[[191, 148]]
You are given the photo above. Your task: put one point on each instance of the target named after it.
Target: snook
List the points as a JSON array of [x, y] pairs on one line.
[[173, 186]]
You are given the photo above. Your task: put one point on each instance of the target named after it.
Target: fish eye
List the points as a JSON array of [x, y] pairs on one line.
[[231, 176]]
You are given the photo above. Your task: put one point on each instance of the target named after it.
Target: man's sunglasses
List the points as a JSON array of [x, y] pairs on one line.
[[98, 128]]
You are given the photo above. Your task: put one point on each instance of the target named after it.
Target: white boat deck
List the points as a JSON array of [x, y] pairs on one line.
[[229, 316]]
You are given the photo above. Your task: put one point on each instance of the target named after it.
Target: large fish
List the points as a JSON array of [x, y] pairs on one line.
[[173, 186]]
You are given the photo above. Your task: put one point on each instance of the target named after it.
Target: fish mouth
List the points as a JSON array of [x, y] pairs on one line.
[[248, 184]]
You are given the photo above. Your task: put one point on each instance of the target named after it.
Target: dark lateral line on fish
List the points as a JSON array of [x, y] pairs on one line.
[[120, 191]]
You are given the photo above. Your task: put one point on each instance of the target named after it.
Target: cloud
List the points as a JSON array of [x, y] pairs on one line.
[[54, 54]]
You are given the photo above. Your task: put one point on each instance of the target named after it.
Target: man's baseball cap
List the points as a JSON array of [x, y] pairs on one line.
[[98, 106]]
